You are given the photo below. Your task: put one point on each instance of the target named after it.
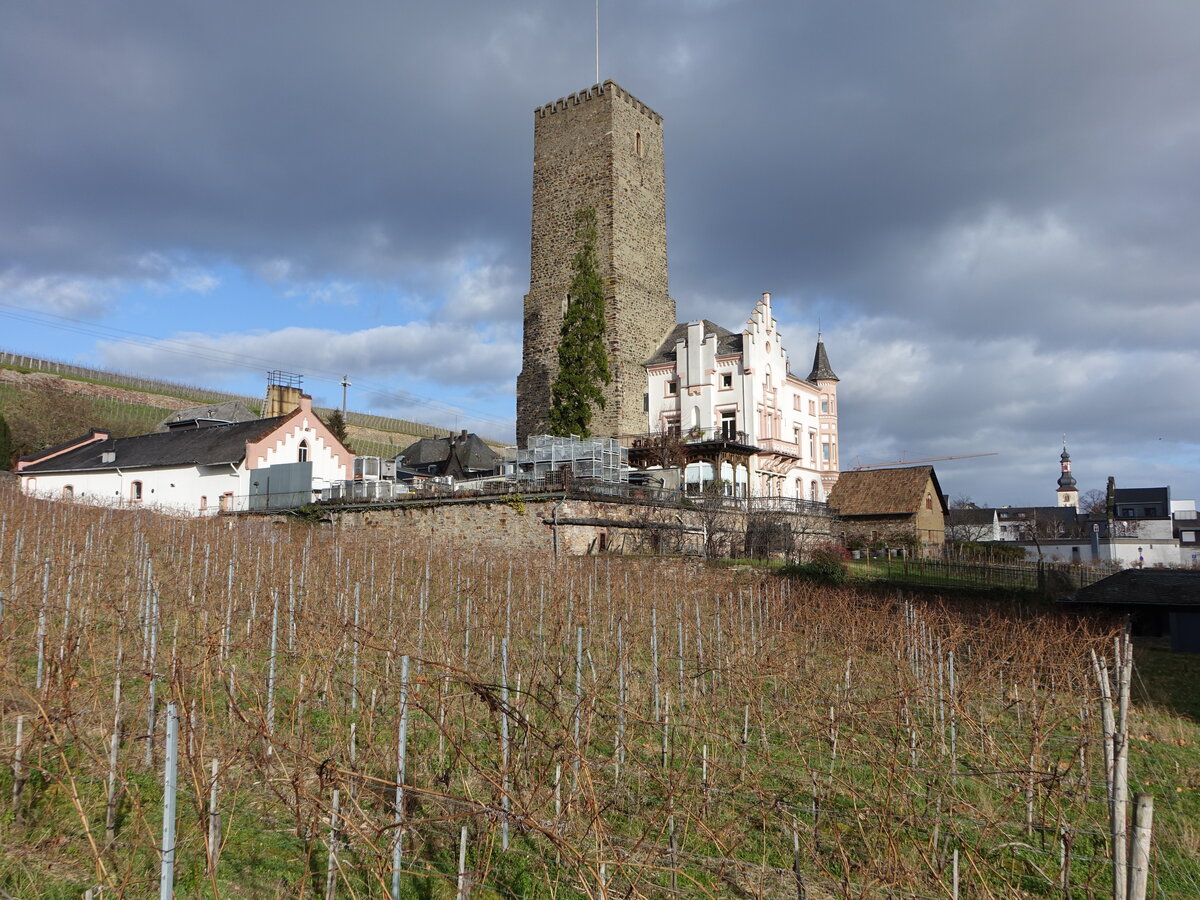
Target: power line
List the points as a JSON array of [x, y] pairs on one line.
[[232, 359]]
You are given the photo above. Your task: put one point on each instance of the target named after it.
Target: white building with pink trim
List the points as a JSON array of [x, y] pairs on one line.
[[746, 422], [194, 468]]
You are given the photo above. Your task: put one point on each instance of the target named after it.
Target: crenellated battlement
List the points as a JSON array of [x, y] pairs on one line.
[[592, 93]]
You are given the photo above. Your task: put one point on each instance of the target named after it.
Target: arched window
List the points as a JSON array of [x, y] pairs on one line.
[[68, 492], [135, 492], [929, 501], [302, 453], [639, 147]]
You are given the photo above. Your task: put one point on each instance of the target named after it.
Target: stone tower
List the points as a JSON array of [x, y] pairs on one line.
[[602, 148]]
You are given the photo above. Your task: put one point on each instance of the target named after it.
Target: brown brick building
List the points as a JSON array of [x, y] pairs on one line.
[[601, 148]]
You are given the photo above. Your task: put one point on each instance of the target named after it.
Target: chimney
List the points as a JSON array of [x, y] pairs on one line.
[[283, 394]]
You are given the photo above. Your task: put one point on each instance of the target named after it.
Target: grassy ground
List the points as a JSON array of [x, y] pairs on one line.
[[673, 729]]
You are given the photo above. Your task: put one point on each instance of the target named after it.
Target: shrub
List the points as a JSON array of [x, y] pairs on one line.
[[824, 566]]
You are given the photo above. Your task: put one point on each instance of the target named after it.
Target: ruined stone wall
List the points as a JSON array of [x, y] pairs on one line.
[[601, 148]]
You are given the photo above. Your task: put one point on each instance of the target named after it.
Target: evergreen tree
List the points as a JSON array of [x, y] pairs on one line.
[[7, 449], [337, 425], [582, 357]]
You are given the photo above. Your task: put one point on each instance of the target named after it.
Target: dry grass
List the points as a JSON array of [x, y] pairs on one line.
[[793, 717]]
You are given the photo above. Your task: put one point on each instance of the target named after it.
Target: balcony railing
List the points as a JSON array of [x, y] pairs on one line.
[[691, 436], [780, 447]]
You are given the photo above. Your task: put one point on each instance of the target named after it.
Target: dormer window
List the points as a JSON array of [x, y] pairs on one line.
[[302, 453]]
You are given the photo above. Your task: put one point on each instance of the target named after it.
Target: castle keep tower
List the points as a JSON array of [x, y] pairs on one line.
[[602, 148]]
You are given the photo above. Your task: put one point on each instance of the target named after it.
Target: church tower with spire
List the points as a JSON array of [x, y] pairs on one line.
[[1068, 492]]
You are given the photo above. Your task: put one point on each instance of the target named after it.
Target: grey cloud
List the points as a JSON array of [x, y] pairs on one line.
[[1002, 198]]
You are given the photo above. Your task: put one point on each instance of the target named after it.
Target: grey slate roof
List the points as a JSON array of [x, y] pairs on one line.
[[821, 370], [728, 343], [229, 411], [455, 455], [971, 516], [216, 445], [1067, 515], [1143, 587]]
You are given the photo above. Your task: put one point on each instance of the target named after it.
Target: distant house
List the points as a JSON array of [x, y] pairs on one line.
[[212, 414], [972, 524], [196, 470], [460, 456], [896, 506]]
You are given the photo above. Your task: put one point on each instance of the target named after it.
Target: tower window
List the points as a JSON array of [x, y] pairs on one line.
[[638, 146], [726, 380]]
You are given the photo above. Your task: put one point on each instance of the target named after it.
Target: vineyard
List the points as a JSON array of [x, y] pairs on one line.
[[351, 718]]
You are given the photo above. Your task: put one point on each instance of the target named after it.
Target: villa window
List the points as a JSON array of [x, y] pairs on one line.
[[203, 503], [135, 492], [302, 454], [726, 381], [824, 404], [68, 492], [729, 425], [812, 407], [672, 387]]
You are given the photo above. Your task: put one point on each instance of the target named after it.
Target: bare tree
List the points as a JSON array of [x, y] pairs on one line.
[[1093, 502]]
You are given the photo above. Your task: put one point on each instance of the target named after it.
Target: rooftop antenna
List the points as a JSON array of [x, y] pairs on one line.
[[597, 42]]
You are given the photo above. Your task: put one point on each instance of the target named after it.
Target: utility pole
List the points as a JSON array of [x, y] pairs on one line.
[[345, 384]]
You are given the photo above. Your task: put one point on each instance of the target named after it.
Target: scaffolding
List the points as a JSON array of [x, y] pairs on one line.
[[595, 459]]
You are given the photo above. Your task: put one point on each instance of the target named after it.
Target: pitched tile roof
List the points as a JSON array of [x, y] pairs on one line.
[[883, 492], [215, 445]]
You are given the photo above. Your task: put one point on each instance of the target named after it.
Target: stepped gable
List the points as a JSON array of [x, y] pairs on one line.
[[728, 343]]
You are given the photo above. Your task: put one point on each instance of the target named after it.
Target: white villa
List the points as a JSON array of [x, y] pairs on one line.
[[743, 418]]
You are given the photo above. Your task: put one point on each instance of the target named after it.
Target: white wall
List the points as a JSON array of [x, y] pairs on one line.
[[1125, 552], [775, 410], [173, 490]]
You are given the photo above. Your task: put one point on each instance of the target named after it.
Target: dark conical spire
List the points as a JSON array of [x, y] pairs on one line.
[[821, 370]]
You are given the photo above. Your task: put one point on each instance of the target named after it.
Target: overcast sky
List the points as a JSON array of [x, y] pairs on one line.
[[992, 210]]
